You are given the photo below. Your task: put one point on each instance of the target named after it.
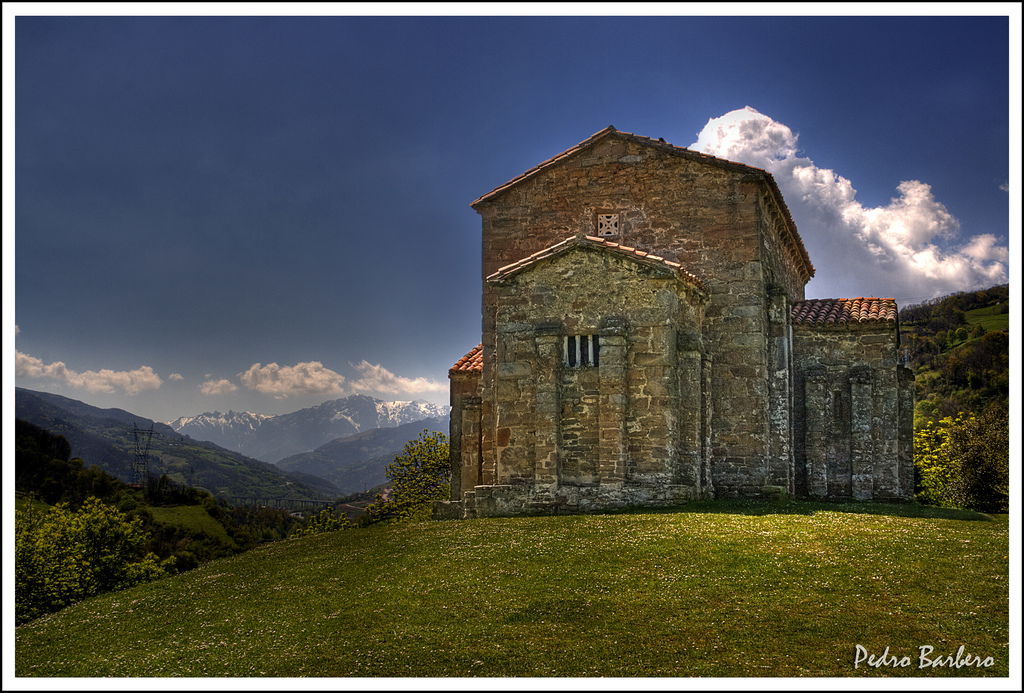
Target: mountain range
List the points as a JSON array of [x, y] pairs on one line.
[[273, 438], [104, 437], [358, 462]]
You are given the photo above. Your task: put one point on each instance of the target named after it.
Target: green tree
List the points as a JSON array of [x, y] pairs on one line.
[[963, 461], [324, 521], [419, 476], [63, 556]]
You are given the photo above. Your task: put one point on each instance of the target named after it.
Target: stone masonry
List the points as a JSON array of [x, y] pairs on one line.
[[646, 341]]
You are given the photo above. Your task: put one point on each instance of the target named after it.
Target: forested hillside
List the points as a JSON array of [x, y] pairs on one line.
[[958, 347], [72, 514]]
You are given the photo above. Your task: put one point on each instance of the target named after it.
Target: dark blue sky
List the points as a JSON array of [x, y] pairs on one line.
[[202, 194]]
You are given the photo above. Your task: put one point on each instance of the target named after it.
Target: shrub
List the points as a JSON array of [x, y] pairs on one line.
[[963, 461], [64, 556]]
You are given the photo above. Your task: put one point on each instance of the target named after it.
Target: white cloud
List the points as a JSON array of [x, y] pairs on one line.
[[103, 380], [305, 378], [217, 387], [1005, 187], [906, 248], [377, 379], [175, 376]]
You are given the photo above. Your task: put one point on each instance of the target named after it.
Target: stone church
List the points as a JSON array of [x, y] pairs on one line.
[[646, 341]]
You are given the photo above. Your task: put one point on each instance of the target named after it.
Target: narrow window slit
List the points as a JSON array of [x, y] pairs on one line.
[[581, 350]]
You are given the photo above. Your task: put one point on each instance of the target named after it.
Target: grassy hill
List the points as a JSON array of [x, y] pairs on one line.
[[718, 590], [992, 318]]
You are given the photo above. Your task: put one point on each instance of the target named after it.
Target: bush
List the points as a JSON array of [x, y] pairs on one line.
[[419, 476], [64, 556], [963, 461], [324, 521]]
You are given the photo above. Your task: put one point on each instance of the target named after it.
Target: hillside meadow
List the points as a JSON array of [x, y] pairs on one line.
[[714, 589]]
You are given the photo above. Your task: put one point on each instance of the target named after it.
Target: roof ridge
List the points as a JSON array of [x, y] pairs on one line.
[[597, 241], [565, 153]]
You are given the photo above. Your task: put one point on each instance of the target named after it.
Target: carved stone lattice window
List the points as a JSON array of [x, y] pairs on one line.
[[581, 350], [607, 224]]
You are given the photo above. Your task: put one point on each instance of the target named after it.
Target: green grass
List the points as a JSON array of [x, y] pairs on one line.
[[734, 589], [988, 318], [191, 517]]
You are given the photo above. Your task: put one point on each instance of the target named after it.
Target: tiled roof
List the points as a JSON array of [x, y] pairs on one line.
[[471, 362], [842, 311], [597, 242], [678, 151]]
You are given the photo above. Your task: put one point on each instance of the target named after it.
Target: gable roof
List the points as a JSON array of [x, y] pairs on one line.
[[844, 311], [472, 362], [636, 254], [662, 145]]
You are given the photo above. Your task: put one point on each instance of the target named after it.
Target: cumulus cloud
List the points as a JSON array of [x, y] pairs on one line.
[[378, 379], [103, 380], [305, 378], [175, 376], [910, 247], [217, 387]]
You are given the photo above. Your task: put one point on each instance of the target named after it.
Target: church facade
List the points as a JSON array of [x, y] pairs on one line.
[[646, 341]]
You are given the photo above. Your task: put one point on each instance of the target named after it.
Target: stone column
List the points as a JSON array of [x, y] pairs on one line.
[[472, 462], [455, 440], [861, 444], [885, 434], [548, 339], [905, 429], [780, 451], [816, 428], [708, 488], [611, 468], [687, 469]]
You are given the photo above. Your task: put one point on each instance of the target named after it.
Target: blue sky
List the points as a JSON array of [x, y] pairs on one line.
[[205, 197]]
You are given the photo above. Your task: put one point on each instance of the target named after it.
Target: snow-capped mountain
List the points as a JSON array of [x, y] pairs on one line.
[[245, 420], [272, 438], [233, 430]]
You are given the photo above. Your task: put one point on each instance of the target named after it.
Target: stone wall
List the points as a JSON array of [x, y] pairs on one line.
[[853, 415], [634, 420]]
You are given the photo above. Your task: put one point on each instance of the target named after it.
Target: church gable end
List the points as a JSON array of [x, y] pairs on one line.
[[645, 341]]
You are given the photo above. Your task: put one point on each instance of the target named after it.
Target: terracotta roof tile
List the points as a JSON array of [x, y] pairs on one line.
[[597, 242], [843, 311], [672, 149], [471, 362]]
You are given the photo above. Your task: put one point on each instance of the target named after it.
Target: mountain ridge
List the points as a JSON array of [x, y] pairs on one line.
[[271, 438], [358, 462], [102, 437]]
